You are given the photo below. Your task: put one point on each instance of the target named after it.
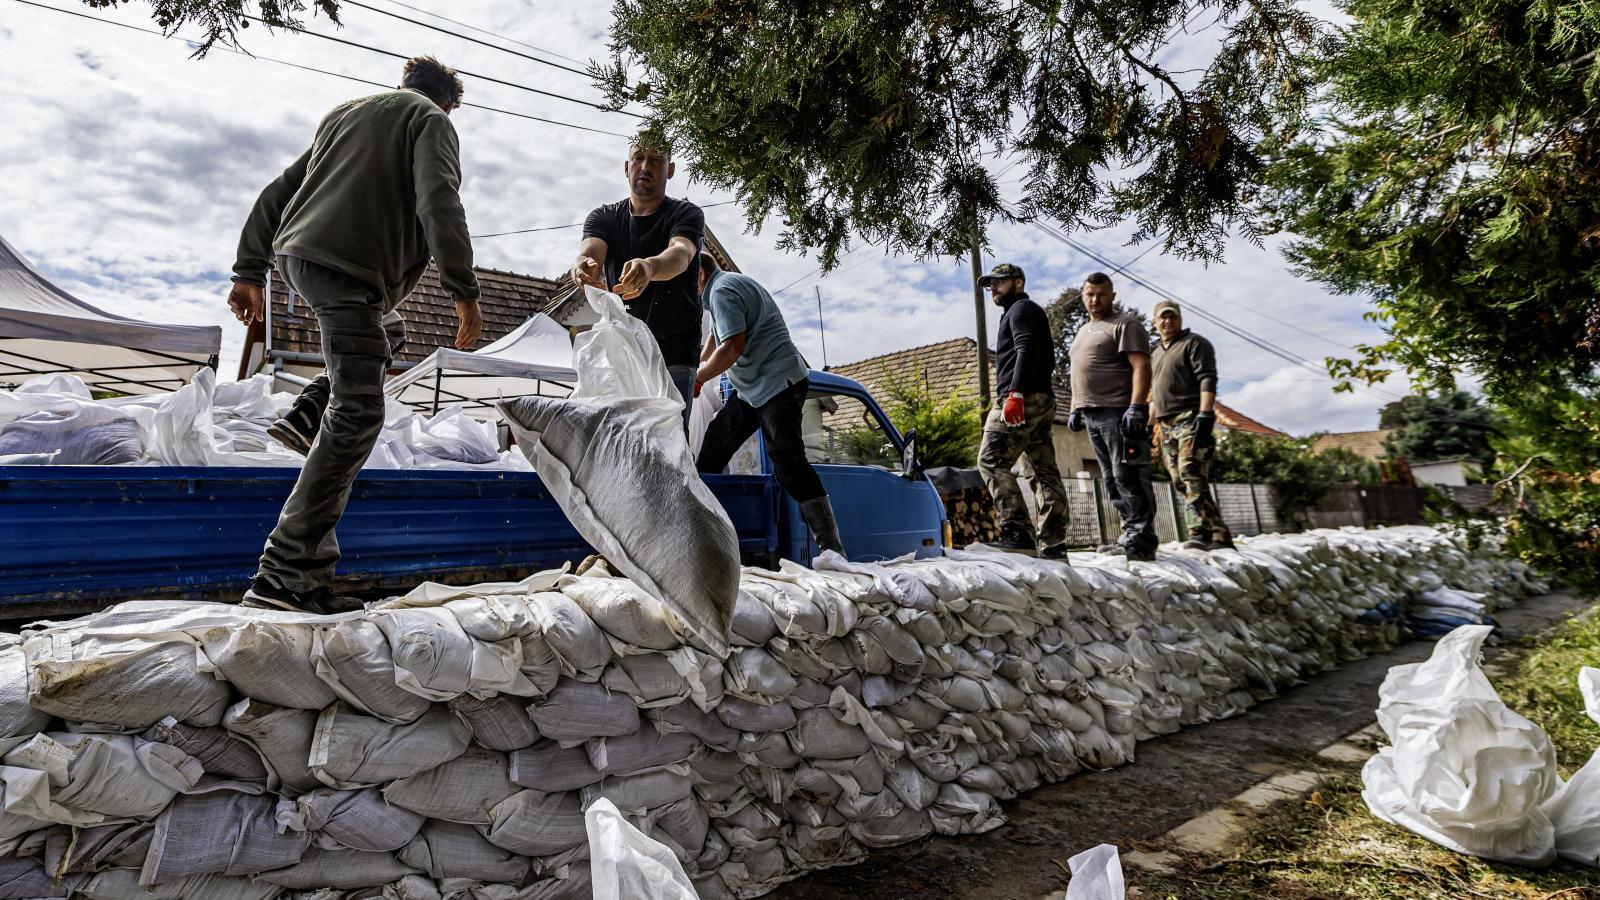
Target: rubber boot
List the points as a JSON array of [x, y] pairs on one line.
[[818, 513]]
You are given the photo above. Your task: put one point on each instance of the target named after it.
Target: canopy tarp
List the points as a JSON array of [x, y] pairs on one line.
[[536, 358], [44, 330]]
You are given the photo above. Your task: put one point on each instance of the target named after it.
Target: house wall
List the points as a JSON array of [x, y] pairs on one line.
[[1451, 473], [1073, 452]]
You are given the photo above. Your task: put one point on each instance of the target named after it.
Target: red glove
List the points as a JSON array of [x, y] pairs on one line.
[[697, 389], [1012, 410]]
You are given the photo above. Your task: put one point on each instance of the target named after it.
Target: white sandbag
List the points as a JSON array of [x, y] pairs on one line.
[[74, 434], [445, 850], [1096, 875], [626, 864], [534, 823], [621, 471], [269, 662], [649, 679], [452, 435], [219, 833], [350, 750], [435, 658], [93, 778], [283, 737], [570, 633], [1574, 808], [462, 790], [16, 716], [635, 794], [575, 711], [551, 768], [625, 612], [498, 723], [339, 870], [354, 820], [353, 658], [755, 717], [1463, 770], [120, 884], [219, 752], [67, 849], [131, 682], [646, 748], [690, 719]]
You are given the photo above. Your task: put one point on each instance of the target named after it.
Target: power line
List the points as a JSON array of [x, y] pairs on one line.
[[489, 78], [573, 224], [457, 34], [1237, 331], [305, 68], [502, 37]]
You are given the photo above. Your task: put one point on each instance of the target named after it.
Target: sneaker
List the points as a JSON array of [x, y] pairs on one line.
[[1013, 540], [262, 594], [296, 430], [1055, 551], [1197, 540]]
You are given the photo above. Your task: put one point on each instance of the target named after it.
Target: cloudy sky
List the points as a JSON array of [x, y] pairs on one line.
[[129, 169]]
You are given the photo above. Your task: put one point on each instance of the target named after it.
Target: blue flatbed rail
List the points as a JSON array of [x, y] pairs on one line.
[[74, 538]]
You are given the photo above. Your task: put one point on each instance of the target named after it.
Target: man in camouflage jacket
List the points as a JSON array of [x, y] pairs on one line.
[[1183, 397]]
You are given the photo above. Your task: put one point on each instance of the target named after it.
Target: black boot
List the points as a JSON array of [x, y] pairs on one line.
[[1198, 540], [818, 513], [1013, 540]]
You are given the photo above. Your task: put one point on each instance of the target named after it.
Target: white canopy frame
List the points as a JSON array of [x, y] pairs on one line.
[[537, 351]]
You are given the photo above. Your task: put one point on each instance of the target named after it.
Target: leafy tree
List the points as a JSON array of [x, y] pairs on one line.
[[892, 119], [948, 428], [1449, 425], [1296, 474], [222, 19], [1550, 457], [1452, 181], [1342, 466]]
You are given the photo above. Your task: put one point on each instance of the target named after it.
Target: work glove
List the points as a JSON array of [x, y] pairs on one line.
[[697, 386], [1075, 420], [1204, 424], [1012, 410], [1136, 421]]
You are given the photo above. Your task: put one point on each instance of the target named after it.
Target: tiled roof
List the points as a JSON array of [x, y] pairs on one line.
[[507, 301], [1366, 444], [952, 366]]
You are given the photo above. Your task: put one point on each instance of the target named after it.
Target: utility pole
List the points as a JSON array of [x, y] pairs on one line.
[[983, 322], [822, 328]]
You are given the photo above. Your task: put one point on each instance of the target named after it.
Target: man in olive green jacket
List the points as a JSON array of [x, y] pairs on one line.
[[352, 224]]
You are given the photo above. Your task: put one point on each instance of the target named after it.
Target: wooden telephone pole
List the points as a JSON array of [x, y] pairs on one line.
[[983, 321]]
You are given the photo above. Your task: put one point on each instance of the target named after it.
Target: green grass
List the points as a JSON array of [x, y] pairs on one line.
[[1329, 845]]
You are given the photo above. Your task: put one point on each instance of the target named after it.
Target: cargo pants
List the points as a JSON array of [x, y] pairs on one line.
[[1188, 461], [1001, 446], [301, 551]]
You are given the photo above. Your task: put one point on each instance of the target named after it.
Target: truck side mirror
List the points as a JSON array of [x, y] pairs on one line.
[[909, 467]]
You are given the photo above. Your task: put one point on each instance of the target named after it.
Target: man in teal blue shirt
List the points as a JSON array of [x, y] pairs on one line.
[[750, 342]]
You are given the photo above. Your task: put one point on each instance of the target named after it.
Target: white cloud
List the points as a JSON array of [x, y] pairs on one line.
[[137, 166]]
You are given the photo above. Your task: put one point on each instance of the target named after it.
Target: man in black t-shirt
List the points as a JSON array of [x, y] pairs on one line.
[[642, 248]]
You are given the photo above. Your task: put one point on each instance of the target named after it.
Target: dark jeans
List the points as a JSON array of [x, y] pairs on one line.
[[779, 421], [683, 379], [1127, 476], [302, 550]]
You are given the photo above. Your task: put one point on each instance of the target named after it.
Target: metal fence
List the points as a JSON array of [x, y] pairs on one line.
[[1248, 509]]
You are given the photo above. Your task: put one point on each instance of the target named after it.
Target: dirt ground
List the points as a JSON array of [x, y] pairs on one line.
[[1175, 778]]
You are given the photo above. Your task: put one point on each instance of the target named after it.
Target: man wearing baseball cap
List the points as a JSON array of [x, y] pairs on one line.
[[1183, 397], [1020, 424]]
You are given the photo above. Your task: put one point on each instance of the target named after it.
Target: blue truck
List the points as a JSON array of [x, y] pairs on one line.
[[74, 538]]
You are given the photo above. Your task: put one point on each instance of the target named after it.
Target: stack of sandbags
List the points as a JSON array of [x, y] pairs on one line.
[[447, 743]]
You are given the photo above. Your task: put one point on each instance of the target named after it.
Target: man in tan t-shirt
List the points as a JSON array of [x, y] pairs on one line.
[[1110, 367]]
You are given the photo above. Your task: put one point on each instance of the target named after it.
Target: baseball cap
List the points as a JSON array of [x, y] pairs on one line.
[[1166, 304], [1002, 271]]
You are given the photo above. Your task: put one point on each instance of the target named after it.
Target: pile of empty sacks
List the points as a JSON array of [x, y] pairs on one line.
[[445, 744]]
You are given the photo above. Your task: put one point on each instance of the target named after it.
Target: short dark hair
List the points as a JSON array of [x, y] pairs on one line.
[[1098, 278], [708, 263], [437, 81]]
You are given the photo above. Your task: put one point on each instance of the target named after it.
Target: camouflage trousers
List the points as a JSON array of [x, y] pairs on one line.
[[1002, 445], [1188, 460]]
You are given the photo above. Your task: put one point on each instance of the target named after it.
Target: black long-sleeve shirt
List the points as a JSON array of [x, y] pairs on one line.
[[1024, 352]]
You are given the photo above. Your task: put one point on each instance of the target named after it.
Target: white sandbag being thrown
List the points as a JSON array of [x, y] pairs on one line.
[[615, 458], [858, 706]]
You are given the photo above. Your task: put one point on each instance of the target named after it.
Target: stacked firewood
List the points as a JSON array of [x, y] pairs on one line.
[[972, 515]]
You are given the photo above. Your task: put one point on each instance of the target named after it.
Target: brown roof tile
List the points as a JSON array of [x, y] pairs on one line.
[[1366, 444]]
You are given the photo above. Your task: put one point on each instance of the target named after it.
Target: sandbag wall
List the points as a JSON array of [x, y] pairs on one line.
[[445, 744]]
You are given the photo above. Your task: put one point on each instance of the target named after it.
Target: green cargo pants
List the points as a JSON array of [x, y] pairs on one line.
[[1188, 461], [1002, 444], [356, 348]]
